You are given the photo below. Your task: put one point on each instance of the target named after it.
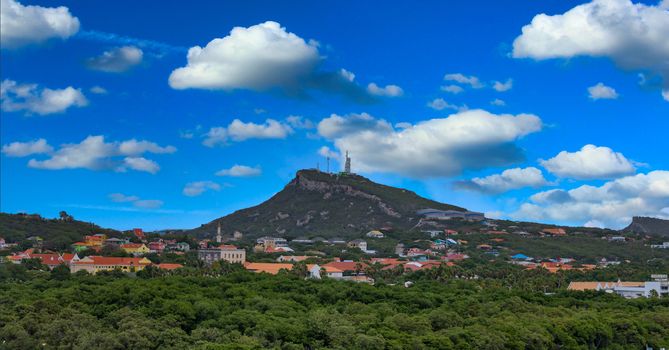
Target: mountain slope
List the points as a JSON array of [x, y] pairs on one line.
[[648, 225], [328, 205]]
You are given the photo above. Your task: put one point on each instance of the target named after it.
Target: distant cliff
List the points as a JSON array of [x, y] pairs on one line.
[[315, 203], [653, 226]]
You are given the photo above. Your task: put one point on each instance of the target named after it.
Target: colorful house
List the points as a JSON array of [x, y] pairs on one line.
[[135, 248], [95, 264]]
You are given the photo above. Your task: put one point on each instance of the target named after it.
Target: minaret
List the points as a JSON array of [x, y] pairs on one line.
[[219, 238], [347, 167]]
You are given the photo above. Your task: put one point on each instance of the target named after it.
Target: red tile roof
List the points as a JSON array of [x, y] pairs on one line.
[[167, 266]]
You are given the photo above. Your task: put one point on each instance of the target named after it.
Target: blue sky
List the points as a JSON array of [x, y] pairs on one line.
[[149, 128]]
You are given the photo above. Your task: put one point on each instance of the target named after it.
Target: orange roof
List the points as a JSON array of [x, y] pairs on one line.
[[295, 257], [555, 231], [331, 269], [346, 265], [167, 266], [131, 245], [581, 286], [385, 261], [271, 268], [109, 260]]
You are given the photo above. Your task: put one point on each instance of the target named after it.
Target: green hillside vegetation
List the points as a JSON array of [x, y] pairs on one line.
[[242, 310], [58, 234]]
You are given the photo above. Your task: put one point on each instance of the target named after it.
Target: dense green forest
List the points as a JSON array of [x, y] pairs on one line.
[[226, 308]]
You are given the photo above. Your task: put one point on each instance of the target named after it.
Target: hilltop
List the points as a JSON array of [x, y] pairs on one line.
[[328, 205], [653, 226], [57, 233]]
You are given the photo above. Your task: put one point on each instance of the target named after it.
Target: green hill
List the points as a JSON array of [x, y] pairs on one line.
[[315, 203], [57, 234]]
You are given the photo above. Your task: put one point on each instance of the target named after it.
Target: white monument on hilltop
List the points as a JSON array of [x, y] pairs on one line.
[[219, 237]]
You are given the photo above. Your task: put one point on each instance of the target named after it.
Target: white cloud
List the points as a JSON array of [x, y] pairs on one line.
[[509, 179], [140, 164], [498, 102], [633, 35], [505, 86], [299, 122], [440, 104], [259, 57], [665, 93], [238, 130], [98, 90], [611, 205], [591, 162], [347, 74], [325, 151], [240, 171], [92, 153], [33, 99], [463, 79], [437, 147], [116, 60], [388, 90], [23, 149], [121, 198], [193, 189], [454, 89], [23, 25], [136, 201], [601, 91]]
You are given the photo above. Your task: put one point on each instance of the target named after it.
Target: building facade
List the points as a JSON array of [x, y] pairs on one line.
[[227, 253]]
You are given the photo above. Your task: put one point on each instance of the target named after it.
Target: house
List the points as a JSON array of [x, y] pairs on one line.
[[51, 260], [156, 247], [115, 242], [81, 246], [555, 232], [347, 267], [617, 239], [664, 245], [167, 266], [95, 264], [450, 232], [520, 257], [554, 267], [432, 233], [95, 240], [229, 253], [438, 244], [335, 240], [139, 233], [358, 243], [375, 234], [399, 249], [456, 257], [178, 246], [417, 252], [302, 240], [272, 241], [658, 286], [332, 272], [293, 258], [271, 250], [135, 248]]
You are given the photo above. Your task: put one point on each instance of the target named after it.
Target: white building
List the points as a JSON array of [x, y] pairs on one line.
[[664, 245]]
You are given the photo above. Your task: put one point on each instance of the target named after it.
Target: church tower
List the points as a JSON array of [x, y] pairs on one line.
[[347, 166], [219, 237]]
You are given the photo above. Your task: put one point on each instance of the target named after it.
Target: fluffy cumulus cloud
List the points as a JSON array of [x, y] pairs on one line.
[[590, 162], [453, 89], [464, 79], [501, 87], [440, 104], [24, 25], [263, 57], [116, 60], [601, 91], [325, 151], [93, 153], [240, 171], [194, 189], [24, 149], [472, 139], [299, 122], [633, 35], [238, 130], [30, 98], [509, 179], [387, 91], [611, 205], [136, 201]]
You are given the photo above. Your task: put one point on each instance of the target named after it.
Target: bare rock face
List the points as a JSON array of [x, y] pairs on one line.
[[652, 226]]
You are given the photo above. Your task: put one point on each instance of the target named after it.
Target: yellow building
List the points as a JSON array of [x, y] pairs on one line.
[[95, 264], [135, 248]]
